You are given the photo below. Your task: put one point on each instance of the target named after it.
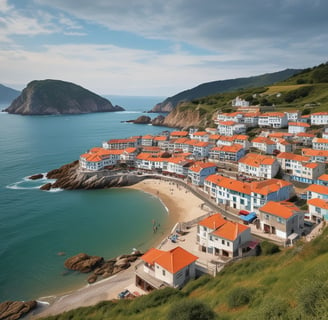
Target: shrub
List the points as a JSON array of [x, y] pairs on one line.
[[239, 297], [273, 309], [268, 248], [190, 309]]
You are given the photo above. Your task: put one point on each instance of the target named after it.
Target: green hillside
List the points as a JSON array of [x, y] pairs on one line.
[[290, 284], [306, 91]]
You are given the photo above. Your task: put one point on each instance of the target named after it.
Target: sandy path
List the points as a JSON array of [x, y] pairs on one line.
[[182, 206]]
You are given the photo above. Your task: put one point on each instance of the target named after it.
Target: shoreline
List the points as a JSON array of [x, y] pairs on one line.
[[181, 206]]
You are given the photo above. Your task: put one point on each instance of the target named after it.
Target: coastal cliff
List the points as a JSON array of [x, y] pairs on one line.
[[48, 97], [70, 177]]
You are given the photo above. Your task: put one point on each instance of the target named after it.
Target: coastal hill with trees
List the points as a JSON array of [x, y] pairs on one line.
[[306, 91]]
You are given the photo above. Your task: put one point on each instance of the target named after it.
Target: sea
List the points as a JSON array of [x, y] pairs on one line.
[[39, 230]]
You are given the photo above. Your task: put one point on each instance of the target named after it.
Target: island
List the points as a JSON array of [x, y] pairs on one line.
[[54, 97]]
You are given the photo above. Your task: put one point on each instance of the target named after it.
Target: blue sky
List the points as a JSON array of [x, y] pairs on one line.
[[155, 47]]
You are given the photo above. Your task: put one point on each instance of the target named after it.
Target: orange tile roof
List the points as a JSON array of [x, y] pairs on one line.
[[281, 209], [130, 150], [313, 152], [230, 230], [279, 134], [213, 222], [233, 148], [292, 156], [226, 138], [323, 177], [305, 134], [232, 184], [255, 160], [214, 178], [273, 114], [122, 140], [319, 114], [263, 140], [214, 137], [179, 133], [181, 140], [151, 255], [148, 137], [268, 186], [199, 165], [317, 188], [320, 140], [160, 138], [200, 133], [311, 165], [227, 123], [321, 203], [143, 156], [240, 137], [299, 124], [175, 259]]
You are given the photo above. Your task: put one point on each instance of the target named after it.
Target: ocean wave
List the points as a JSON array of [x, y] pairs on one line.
[[28, 184], [130, 112], [55, 190]]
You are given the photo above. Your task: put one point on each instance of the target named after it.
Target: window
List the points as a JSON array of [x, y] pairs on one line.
[[211, 238], [266, 216], [228, 243], [163, 272], [223, 241]]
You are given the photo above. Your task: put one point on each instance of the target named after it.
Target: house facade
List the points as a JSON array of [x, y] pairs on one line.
[[227, 153], [320, 144], [273, 120], [281, 218], [199, 171], [264, 144], [220, 237], [318, 209], [319, 118], [297, 127], [161, 268]]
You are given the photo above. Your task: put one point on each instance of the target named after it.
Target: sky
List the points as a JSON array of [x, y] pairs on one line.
[[156, 47]]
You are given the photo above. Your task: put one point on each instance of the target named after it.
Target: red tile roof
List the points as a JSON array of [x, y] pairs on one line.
[[230, 230], [321, 203], [317, 188], [282, 209]]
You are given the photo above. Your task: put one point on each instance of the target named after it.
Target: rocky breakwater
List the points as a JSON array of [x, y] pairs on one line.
[[70, 177], [99, 266], [12, 310]]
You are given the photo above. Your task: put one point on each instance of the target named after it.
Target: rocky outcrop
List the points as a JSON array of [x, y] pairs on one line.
[[58, 97], [158, 121], [12, 310], [100, 267], [70, 177], [36, 176], [83, 262], [142, 120]]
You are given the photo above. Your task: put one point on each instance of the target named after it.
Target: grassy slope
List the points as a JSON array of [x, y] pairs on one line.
[[275, 287]]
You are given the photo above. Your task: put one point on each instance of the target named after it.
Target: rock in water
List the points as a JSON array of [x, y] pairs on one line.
[[58, 97], [12, 310], [83, 262], [36, 176], [142, 120]]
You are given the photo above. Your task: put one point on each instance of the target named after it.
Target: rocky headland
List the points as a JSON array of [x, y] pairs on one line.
[[13, 310], [157, 121], [50, 97], [99, 266], [70, 177]]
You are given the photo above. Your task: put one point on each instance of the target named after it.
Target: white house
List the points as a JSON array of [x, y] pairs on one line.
[[300, 168], [319, 118], [264, 144], [304, 138], [296, 127], [325, 134], [283, 145], [251, 119], [273, 120], [258, 165], [282, 219], [201, 136], [220, 237], [316, 155], [318, 209], [320, 144], [239, 102], [230, 128], [227, 153], [165, 268], [293, 115], [121, 143], [317, 191], [199, 171]]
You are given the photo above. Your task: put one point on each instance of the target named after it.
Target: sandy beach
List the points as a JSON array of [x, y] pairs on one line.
[[182, 206]]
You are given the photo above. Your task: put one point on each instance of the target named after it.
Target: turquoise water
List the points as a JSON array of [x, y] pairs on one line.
[[35, 225]]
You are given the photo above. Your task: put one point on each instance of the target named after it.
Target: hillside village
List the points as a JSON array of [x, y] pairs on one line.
[[274, 185]]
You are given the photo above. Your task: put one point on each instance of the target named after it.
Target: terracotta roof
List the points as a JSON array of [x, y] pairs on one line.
[[273, 114], [319, 114], [175, 259], [151, 255], [313, 152], [213, 222], [280, 134], [179, 133], [240, 137], [200, 133], [255, 160], [214, 137], [317, 188], [268, 186], [199, 166], [305, 134], [130, 150], [233, 148], [227, 123], [214, 178], [321, 203], [320, 140], [122, 140], [292, 156], [181, 140], [263, 140], [311, 165], [281, 209], [299, 124], [160, 138], [148, 137], [323, 177], [230, 230]]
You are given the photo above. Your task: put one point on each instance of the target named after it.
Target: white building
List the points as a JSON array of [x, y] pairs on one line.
[[319, 118], [264, 144], [230, 128], [320, 144], [318, 209], [220, 237], [238, 102], [165, 268], [273, 120], [293, 115], [297, 127], [199, 171], [258, 165]]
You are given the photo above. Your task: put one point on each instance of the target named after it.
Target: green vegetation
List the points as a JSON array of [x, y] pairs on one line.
[[291, 284], [306, 91]]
